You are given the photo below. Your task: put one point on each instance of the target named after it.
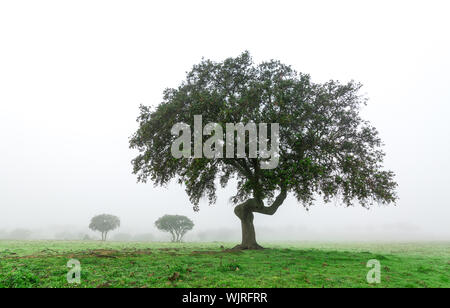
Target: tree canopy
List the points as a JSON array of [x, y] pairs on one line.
[[104, 223], [176, 225], [326, 149]]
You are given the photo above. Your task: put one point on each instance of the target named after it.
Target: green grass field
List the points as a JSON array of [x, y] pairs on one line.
[[147, 265]]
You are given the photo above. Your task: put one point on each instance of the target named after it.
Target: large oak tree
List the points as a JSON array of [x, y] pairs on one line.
[[326, 149]]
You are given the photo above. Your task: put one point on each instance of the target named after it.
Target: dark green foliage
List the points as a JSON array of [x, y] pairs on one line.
[[326, 148], [176, 225]]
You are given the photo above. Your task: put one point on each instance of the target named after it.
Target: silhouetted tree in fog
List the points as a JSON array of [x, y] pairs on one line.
[[325, 149], [176, 225], [104, 223]]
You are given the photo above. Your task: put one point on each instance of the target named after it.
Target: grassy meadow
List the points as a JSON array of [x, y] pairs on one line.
[[185, 265]]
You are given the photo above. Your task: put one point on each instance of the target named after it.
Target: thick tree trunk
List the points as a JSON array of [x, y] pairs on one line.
[[245, 214]]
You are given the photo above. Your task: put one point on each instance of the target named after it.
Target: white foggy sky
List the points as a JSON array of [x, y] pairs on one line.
[[73, 73]]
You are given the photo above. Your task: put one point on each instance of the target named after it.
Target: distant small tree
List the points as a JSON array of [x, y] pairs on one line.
[[104, 223], [176, 225]]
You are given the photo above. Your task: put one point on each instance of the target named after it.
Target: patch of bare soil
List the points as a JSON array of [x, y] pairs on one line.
[[104, 253]]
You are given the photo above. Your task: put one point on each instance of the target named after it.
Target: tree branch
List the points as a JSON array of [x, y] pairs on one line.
[[270, 210]]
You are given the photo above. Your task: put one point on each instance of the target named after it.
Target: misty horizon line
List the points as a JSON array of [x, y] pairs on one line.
[[362, 233]]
